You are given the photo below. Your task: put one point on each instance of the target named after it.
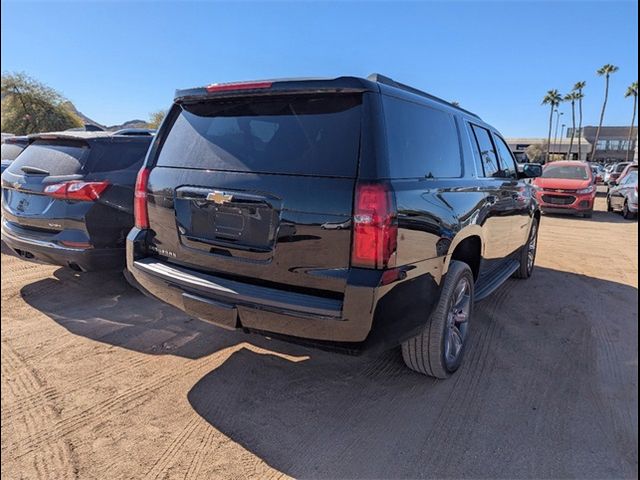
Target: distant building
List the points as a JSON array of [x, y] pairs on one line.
[[559, 149], [613, 143]]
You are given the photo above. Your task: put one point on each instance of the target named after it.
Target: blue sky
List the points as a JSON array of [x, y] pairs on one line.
[[122, 60]]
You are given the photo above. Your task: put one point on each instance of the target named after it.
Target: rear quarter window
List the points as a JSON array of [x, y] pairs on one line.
[[422, 141], [111, 155]]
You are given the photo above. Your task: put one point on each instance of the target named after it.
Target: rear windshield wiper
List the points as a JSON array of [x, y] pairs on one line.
[[34, 170]]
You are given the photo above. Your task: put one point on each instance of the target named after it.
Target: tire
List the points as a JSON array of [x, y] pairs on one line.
[[626, 213], [430, 352], [588, 214], [527, 263], [609, 207]]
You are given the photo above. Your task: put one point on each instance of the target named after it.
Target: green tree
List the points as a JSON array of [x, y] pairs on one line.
[[155, 118], [578, 89], [572, 97], [632, 91], [535, 153], [605, 71], [553, 99], [29, 106]]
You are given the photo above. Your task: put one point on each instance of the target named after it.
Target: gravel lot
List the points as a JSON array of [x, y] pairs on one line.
[[101, 382]]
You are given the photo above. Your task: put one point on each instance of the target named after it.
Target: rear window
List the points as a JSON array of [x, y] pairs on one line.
[[11, 150], [59, 158], [422, 141], [294, 135]]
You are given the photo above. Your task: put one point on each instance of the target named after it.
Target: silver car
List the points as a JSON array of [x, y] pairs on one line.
[[623, 197]]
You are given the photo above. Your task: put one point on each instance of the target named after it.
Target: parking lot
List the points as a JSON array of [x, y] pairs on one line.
[[99, 381]]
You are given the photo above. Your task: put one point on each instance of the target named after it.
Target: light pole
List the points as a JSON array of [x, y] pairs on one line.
[[561, 137], [555, 138]]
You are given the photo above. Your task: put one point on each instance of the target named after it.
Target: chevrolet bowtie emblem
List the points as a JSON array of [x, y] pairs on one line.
[[219, 197]]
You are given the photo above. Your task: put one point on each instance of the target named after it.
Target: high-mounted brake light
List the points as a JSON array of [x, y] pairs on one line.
[[226, 87], [375, 228], [140, 212], [79, 191]]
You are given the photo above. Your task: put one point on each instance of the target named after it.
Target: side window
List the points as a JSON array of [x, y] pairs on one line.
[[422, 141], [111, 156], [487, 152], [630, 179], [506, 158]]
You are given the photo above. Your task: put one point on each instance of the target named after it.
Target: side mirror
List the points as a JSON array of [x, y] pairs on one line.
[[531, 170]]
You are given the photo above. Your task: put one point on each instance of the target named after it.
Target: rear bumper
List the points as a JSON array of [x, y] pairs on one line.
[[370, 316], [41, 248]]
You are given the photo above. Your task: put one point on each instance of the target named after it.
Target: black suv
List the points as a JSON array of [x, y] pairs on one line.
[[348, 213], [67, 199]]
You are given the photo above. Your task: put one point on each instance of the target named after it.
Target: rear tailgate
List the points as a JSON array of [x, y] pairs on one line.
[[259, 189], [44, 162]]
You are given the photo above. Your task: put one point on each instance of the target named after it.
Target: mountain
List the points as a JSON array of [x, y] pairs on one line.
[[136, 123]]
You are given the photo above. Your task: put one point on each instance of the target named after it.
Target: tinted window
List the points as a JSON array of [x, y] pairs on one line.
[[109, 155], [487, 152], [507, 164], [57, 158], [631, 178], [422, 141], [300, 135], [11, 150]]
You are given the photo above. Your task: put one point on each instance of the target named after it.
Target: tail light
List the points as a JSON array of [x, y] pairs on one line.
[[225, 87], [80, 191], [375, 228], [140, 212]]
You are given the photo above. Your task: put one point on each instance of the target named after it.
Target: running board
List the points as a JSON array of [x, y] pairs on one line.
[[498, 277]]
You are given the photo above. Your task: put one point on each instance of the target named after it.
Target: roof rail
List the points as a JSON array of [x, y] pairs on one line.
[[376, 77]]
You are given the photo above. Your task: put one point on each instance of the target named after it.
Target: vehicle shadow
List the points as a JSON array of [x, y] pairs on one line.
[[598, 216], [102, 306], [542, 374]]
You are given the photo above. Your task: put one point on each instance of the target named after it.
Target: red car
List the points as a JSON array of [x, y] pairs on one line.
[[566, 187]]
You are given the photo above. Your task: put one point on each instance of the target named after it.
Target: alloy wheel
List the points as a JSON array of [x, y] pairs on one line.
[[532, 248], [457, 322]]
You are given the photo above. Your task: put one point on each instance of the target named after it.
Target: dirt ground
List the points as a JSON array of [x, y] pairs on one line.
[[99, 381]]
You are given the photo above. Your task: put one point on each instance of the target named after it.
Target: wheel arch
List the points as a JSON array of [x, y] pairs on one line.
[[468, 247]]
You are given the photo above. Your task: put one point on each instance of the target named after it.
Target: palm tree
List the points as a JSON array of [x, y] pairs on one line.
[[606, 71], [577, 89], [553, 99], [572, 97], [632, 91]]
